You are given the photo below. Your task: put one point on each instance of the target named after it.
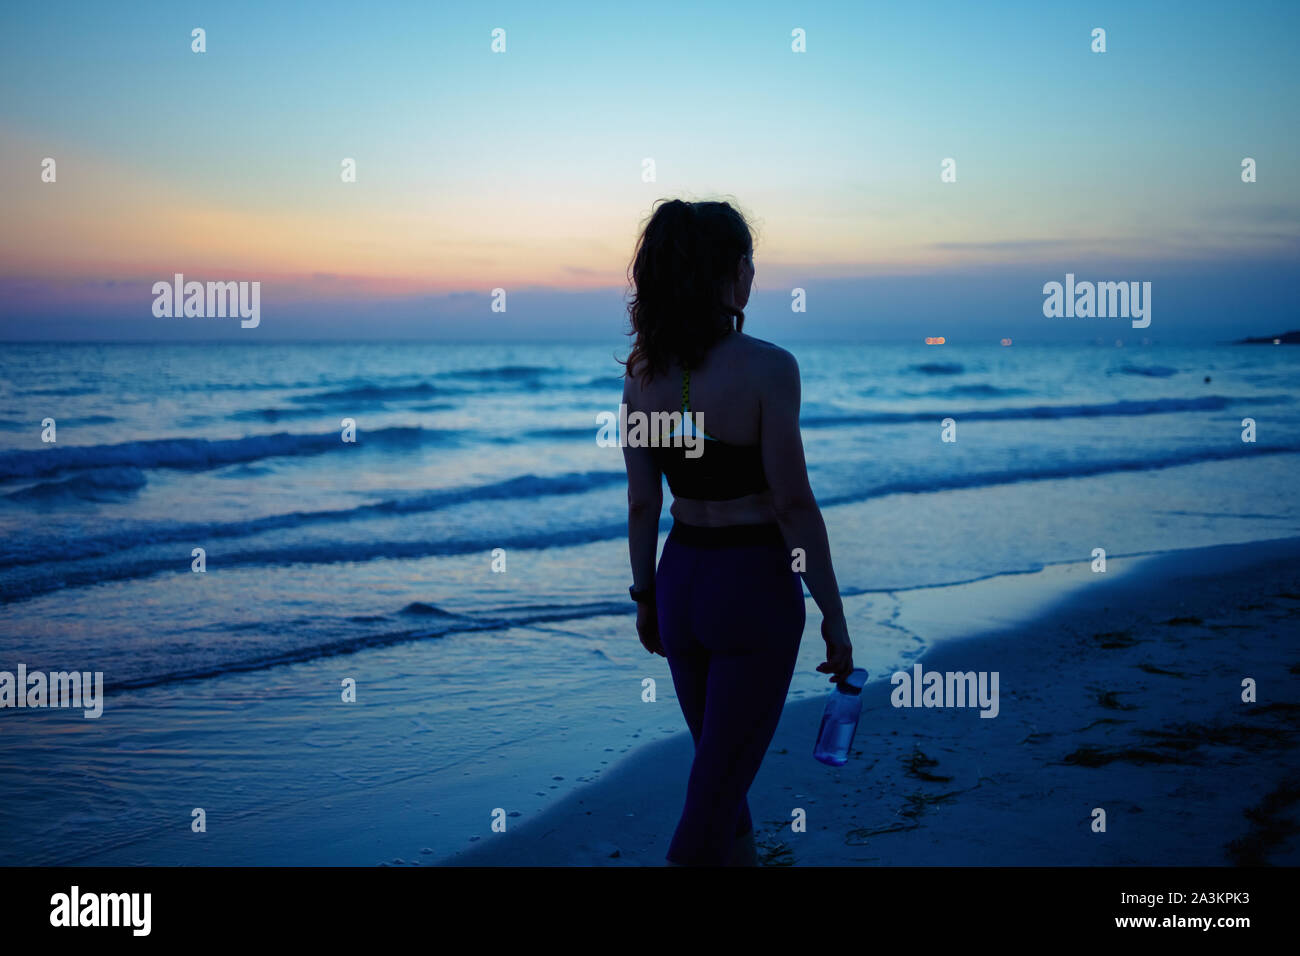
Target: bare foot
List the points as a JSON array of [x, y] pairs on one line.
[[743, 851]]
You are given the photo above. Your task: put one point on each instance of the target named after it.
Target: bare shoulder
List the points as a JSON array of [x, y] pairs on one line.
[[632, 384], [771, 362]]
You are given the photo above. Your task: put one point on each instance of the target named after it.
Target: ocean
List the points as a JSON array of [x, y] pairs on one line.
[[327, 558]]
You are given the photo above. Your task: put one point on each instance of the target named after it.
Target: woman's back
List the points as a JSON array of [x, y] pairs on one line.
[[725, 388], [723, 480]]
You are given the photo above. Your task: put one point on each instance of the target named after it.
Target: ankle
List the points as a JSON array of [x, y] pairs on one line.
[[743, 851]]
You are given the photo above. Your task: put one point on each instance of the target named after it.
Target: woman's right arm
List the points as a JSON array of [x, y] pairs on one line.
[[796, 509]]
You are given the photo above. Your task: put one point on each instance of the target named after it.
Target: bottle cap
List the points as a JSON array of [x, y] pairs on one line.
[[854, 683]]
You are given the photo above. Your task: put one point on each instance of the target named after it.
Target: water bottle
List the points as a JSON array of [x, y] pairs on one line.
[[840, 722]]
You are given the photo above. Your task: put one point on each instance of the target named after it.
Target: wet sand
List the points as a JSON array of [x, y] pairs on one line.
[[1124, 697]]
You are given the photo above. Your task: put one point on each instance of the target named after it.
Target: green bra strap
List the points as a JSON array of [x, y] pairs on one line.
[[686, 401]]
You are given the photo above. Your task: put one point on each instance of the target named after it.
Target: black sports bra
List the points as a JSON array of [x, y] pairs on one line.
[[720, 472]]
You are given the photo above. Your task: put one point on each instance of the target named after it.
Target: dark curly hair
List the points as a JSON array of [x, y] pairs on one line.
[[684, 258]]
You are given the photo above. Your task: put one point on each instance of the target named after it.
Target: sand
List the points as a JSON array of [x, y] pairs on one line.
[[1124, 697]]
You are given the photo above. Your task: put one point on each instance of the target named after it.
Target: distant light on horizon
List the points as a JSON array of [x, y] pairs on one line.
[[934, 340], [1006, 341]]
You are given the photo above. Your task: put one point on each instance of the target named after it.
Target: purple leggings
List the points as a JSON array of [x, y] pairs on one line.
[[731, 616]]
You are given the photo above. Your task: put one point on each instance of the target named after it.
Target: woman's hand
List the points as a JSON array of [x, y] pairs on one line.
[[839, 649], [647, 627]]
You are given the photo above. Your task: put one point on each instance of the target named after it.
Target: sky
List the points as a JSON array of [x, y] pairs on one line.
[[523, 170]]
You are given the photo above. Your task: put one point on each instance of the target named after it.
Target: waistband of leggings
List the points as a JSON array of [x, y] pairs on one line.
[[727, 536]]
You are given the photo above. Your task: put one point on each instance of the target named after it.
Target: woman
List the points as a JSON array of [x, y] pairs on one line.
[[725, 607]]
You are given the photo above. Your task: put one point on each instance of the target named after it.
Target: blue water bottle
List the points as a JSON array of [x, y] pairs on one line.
[[840, 722]]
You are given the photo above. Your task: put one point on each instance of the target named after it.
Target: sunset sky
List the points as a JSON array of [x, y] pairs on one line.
[[523, 170]]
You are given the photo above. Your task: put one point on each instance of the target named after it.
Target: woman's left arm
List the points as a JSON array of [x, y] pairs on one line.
[[645, 499]]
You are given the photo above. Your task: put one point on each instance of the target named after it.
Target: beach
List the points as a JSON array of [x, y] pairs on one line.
[[394, 643], [319, 546], [1125, 696]]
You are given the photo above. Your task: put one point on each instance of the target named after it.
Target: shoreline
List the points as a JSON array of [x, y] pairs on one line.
[[290, 776], [1124, 696]]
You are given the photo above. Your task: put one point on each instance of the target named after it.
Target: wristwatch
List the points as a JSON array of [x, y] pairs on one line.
[[644, 596]]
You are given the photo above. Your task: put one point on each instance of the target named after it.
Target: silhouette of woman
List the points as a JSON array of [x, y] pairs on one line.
[[724, 607]]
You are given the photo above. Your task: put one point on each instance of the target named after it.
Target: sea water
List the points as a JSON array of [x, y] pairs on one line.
[[476, 517]]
